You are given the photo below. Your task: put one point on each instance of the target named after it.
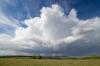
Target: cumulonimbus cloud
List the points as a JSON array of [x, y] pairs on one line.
[[54, 33]]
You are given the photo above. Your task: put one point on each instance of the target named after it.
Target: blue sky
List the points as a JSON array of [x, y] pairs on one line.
[[59, 27], [20, 9]]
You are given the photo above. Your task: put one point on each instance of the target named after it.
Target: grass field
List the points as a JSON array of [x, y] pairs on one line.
[[47, 62]]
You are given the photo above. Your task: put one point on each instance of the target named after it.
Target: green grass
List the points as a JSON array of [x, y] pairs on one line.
[[47, 62]]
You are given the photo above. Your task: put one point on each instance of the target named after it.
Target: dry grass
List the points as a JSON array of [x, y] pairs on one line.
[[47, 62]]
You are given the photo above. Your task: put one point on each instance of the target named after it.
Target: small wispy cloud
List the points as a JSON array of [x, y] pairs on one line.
[[4, 18], [7, 21]]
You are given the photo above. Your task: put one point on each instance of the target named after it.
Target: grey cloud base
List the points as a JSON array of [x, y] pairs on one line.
[[54, 33]]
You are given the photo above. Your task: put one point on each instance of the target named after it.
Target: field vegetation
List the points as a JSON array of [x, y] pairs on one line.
[[49, 61]]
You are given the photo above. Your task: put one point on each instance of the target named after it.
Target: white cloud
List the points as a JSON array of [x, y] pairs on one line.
[[54, 33], [6, 21]]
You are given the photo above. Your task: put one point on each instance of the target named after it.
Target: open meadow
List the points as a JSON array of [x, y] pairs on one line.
[[48, 62]]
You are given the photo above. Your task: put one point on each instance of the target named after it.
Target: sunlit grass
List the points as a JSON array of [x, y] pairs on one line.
[[48, 62]]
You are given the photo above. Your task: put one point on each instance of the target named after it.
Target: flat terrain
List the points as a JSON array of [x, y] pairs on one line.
[[47, 62]]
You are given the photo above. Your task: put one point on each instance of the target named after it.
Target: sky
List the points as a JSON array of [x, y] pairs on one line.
[[50, 27]]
